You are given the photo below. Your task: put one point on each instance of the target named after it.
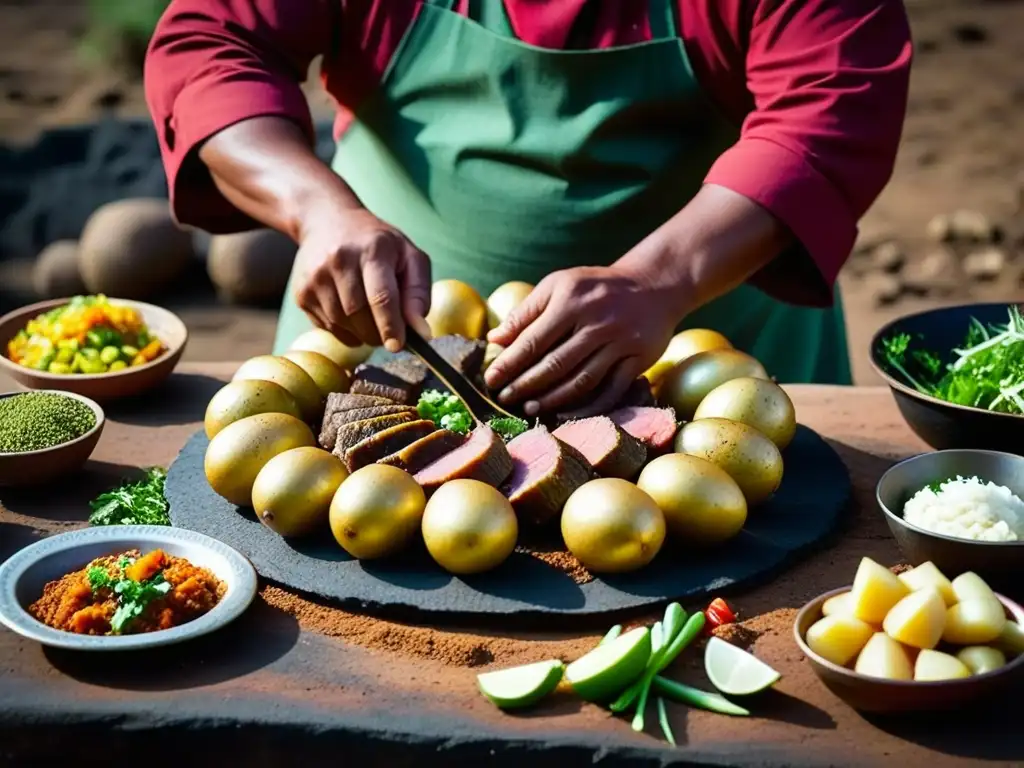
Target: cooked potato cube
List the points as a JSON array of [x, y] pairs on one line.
[[839, 604], [1011, 639], [884, 657], [928, 575], [935, 665], [876, 589], [838, 638], [970, 586], [918, 619], [981, 658], [974, 622]]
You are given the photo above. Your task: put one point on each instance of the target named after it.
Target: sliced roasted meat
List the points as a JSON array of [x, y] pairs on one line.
[[386, 442], [654, 427], [329, 430], [545, 472], [466, 355], [357, 431], [425, 451], [611, 450], [399, 380], [345, 401], [482, 457]]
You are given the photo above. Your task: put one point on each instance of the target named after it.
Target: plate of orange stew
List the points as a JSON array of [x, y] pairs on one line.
[[123, 587]]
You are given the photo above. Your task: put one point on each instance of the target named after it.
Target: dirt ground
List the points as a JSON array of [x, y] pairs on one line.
[[948, 229]]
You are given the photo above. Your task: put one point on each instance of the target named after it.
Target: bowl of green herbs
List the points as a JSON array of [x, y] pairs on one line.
[[957, 374], [45, 435]]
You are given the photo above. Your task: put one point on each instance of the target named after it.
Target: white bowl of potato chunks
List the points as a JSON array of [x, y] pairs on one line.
[[913, 642]]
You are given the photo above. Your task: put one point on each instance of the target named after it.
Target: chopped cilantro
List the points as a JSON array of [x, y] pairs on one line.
[[140, 503], [132, 596]]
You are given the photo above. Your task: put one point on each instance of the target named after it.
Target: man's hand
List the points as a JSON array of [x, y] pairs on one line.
[[582, 332], [362, 279]]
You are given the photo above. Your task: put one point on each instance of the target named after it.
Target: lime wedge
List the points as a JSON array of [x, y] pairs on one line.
[[734, 671], [603, 673], [521, 686]]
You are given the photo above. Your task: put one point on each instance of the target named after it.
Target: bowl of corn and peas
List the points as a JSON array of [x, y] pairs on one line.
[[92, 345]]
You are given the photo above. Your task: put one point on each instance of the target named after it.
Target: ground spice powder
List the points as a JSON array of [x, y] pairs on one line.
[[469, 649]]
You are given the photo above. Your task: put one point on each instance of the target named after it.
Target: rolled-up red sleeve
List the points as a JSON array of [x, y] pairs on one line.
[[214, 63], [829, 81]]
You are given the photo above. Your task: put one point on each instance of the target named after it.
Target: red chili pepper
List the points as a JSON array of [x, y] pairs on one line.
[[718, 613]]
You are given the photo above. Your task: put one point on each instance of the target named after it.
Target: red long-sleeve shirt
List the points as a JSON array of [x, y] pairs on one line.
[[818, 86]]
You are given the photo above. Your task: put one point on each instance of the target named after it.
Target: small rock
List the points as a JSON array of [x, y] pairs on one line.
[[963, 226], [985, 264], [885, 289], [888, 257], [936, 271], [940, 228], [970, 34]]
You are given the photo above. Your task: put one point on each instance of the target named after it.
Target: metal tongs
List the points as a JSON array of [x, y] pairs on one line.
[[480, 407]]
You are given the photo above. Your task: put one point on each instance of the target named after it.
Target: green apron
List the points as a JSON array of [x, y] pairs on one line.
[[504, 161]]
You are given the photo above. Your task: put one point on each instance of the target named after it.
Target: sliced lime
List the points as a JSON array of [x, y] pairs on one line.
[[734, 671], [606, 671], [521, 686]]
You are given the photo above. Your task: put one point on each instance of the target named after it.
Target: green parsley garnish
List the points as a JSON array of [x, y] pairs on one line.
[[132, 596], [986, 372], [445, 410], [140, 503], [508, 426]]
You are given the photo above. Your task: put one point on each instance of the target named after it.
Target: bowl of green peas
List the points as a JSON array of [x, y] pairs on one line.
[[99, 347], [46, 435]]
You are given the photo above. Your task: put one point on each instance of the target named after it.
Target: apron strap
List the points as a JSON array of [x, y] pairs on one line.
[[662, 16]]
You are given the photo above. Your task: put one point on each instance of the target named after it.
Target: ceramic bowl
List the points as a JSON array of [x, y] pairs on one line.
[[1001, 564], [36, 467], [940, 424], [165, 325], [872, 694], [26, 572]]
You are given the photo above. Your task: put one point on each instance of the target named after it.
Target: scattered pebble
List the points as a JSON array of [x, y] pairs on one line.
[[936, 271], [885, 289], [985, 264], [962, 226], [888, 257]]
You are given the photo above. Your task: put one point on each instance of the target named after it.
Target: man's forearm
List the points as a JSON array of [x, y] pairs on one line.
[[266, 168], [713, 245]]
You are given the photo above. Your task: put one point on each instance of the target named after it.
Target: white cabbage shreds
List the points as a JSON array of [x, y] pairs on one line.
[[968, 508]]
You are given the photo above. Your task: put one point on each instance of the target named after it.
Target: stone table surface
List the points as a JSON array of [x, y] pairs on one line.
[[263, 691]]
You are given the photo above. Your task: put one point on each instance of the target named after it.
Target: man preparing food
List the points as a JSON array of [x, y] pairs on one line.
[[645, 163]]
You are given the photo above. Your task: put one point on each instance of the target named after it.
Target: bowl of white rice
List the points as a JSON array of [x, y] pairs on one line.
[[962, 510]]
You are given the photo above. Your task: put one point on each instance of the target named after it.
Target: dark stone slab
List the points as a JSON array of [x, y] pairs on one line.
[[814, 492]]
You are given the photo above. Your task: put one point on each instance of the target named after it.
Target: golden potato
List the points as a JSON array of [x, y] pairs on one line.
[[688, 383], [702, 504], [376, 511], [746, 455], [327, 344], [238, 399], [838, 604], [292, 493], [981, 658], [328, 376], [935, 665], [284, 372], [974, 622], [504, 299], [918, 619], [927, 575], [758, 403], [875, 591], [838, 638], [683, 345], [885, 658], [456, 307]]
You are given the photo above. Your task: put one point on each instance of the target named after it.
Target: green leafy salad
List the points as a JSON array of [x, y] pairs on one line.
[[987, 370], [449, 412], [139, 503]]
